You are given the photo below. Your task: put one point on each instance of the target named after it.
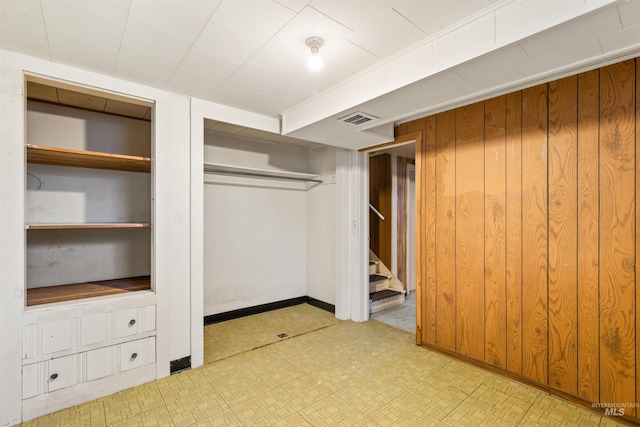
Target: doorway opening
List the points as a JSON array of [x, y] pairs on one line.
[[392, 231]]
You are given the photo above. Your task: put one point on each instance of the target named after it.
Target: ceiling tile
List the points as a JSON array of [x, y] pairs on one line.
[[391, 105], [135, 66], [199, 75], [252, 133], [514, 20], [629, 13], [112, 11], [81, 100], [23, 33], [464, 43], [387, 35], [184, 19], [589, 49], [244, 97], [29, 8], [354, 14], [42, 92], [79, 21], [265, 19], [435, 15], [126, 109], [483, 82], [493, 63], [620, 40], [577, 33], [67, 49], [214, 42], [309, 23], [151, 42], [437, 84], [269, 83], [290, 60], [295, 5], [223, 127]]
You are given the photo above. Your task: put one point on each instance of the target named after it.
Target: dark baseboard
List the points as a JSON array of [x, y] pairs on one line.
[[257, 309], [263, 308], [321, 304], [180, 365]]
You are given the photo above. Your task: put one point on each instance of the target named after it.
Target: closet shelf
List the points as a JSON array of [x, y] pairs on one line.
[[86, 159], [75, 291], [258, 173], [87, 226]]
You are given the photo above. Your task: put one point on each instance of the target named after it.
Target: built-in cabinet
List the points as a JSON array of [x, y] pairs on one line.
[[89, 322]]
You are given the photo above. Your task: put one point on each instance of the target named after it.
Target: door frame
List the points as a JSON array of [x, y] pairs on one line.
[[408, 138], [411, 168]]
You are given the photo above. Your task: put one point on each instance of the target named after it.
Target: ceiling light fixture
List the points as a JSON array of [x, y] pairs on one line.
[[315, 62]]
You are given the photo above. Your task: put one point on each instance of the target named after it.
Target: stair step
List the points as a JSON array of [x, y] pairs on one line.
[[377, 277], [385, 299], [387, 293], [378, 282]]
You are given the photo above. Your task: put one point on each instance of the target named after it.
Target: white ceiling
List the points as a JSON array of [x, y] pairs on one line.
[[250, 54]]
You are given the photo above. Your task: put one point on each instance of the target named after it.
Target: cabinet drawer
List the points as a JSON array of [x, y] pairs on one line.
[[127, 323], [134, 321], [62, 372], [137, 353]]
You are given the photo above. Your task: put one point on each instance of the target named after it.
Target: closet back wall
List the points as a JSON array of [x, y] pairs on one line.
[[255, 230], [528, 215]]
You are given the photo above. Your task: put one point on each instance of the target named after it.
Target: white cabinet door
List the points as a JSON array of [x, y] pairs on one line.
[[31, 380], [93, 329], [55, 336], [63, 372], [126, 323], [100, 363]]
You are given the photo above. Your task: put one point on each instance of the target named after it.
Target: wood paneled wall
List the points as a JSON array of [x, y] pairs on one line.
[[380, 196], [528, 243]]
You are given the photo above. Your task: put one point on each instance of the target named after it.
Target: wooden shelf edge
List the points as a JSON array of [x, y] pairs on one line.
[[88, 226], [76, 291], [86, 159]]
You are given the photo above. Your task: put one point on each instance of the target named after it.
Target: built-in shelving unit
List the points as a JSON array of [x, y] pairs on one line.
[[73, 214], [89, 316], [87, 159]]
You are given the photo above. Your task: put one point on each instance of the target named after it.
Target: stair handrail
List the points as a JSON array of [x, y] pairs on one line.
[[376, 211]]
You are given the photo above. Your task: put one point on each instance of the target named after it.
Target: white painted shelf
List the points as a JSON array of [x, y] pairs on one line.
[[259, 173]]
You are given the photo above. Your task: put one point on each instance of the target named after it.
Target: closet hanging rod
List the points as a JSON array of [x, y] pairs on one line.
[[259, 175]]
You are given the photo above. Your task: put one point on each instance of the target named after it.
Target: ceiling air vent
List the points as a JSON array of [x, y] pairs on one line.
[[358, 118]]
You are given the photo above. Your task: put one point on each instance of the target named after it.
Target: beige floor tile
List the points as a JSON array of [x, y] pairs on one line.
[[324, 372]]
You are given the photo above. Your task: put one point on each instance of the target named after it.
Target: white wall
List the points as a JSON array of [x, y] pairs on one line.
[[254, 228], [321, 226]]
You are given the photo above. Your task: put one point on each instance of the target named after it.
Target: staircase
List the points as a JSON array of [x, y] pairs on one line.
[[385, 290]]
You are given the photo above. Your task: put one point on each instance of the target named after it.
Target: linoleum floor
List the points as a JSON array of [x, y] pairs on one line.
[[324, 372]]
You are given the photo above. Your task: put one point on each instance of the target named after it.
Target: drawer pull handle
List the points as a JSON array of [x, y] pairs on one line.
[[132, 322], [134, 355], [53, 377]]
